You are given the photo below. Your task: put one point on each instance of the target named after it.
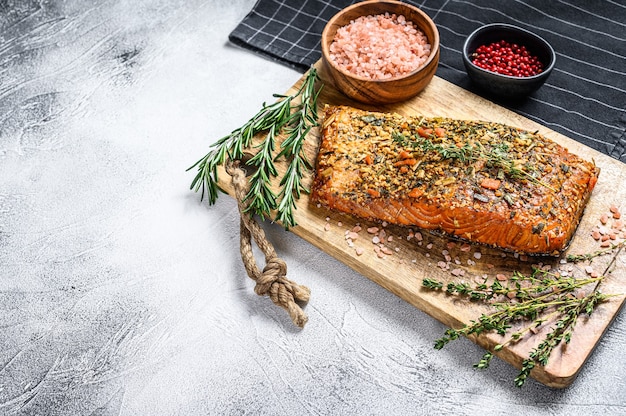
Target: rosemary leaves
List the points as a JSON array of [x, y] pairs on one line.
[[527, 303], [293, 115]]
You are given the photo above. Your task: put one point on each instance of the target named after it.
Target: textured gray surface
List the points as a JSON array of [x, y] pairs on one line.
[[122, 294]]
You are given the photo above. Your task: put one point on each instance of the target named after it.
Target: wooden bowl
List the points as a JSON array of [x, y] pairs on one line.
[[385, 91]]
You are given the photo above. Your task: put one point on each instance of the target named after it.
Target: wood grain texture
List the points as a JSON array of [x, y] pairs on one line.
[[412, 260]]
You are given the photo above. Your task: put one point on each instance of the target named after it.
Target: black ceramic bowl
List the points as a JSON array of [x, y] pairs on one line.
[[507, 86]]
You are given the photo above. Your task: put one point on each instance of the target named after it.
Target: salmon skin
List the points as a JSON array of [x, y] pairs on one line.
[[482, 182]]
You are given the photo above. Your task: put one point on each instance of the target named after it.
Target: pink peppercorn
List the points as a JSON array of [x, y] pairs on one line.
[[508, 59]]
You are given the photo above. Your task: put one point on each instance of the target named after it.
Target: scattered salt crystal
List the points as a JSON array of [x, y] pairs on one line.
[[458, 272], [359, 251], [376, 240], [327, 227], [372, 230], [386, 250], [477, 255]]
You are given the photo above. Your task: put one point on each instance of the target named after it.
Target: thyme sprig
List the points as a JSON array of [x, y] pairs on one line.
[[287, 115], [576, 258], [528, 302], [496, 157]]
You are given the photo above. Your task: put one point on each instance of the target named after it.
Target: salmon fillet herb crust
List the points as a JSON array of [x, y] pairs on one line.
[[483, 182]]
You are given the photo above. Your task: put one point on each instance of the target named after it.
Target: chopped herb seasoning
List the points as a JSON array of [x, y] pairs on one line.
[[414, 168]]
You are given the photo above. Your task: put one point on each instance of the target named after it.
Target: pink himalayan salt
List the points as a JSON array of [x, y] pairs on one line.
[[379, 47]]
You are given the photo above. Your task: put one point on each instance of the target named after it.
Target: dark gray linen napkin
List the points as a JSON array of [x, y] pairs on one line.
[[584, 98]]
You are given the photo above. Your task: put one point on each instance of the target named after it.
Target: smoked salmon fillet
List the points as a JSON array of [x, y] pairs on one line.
[[482, 182]]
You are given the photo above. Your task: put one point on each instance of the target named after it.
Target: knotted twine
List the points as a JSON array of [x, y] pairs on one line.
[[272, 281]]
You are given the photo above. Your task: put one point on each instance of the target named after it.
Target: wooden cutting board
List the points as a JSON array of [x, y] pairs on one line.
[[415, 255]]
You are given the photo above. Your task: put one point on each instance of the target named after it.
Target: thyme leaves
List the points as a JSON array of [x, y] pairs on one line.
[[574, 258], [526, 303], [294, 115], [497, 155]]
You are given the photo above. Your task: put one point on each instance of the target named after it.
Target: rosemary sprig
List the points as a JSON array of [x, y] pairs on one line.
[[292, 149], [261, 199], [231, 146], [285, 115], [539, 298]]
